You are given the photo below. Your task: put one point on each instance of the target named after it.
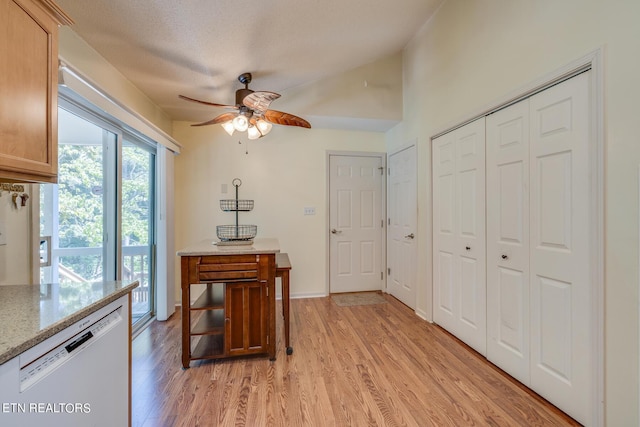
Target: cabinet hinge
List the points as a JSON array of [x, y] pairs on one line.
[[267, 291], [267, 339]]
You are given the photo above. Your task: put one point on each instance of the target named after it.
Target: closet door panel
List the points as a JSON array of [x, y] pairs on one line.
[[508, 240], [470, 247], [445, 286], [560, 275]]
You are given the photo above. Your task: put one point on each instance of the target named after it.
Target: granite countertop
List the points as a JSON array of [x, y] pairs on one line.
[[206, 247], [29, 314]]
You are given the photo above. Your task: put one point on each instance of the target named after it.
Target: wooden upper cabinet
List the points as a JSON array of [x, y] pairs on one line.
[[29, 89]]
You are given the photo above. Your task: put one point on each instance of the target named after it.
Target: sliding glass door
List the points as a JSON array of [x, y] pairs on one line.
[[97, 223]]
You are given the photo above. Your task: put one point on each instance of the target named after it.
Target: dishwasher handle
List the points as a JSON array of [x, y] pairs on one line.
[[77, 343]]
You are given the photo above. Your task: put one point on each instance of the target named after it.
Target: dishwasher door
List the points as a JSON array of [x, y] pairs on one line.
[[78, 377]]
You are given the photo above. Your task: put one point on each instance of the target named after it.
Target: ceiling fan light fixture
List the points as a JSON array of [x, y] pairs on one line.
[[240, 123], [253, 132], [252, 113], [264, 126], [228, 127]]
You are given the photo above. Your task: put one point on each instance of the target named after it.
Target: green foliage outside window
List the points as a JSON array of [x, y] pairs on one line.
[[81, 207]]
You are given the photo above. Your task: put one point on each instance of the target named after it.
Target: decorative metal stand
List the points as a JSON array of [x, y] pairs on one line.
[[236, 234]]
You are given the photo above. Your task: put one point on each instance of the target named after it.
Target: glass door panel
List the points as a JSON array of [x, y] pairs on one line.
[[72, 212], [137, 226]]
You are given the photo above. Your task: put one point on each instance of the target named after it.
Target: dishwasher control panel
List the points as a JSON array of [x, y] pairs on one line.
[[47, 363]]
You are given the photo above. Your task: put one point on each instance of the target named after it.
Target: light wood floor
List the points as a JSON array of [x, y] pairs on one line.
[[376, 365]]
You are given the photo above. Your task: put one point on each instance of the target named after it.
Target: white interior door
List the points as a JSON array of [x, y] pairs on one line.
[[356, 222], [561, 323], [459, 233], [508, 240], [402, 227]]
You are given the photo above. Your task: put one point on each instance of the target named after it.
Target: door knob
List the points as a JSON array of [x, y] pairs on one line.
[[334, 231], [409, 236], [505, 257], [468, 248]]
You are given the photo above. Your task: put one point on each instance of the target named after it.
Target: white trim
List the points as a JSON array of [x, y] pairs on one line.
[[308, 295], [165, 252], [597, 150], [34, 206], [85, 87], [592, 61], [383, 199]]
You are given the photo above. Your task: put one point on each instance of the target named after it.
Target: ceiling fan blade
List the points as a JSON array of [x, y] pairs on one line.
[[207, 103], [219, 119], [260, 100], [286, 119]]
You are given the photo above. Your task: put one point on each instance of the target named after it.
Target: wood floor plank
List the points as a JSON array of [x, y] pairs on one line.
[[375, 365]]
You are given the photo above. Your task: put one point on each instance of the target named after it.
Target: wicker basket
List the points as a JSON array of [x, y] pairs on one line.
[[236, 232], [236, 205]]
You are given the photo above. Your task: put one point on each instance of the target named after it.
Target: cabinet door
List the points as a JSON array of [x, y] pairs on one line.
[[246, 318], [28, 100]]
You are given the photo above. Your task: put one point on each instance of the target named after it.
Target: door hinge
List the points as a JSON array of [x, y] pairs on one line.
[[267, 339], [382, 275], [267, 291], [388, 171], [388, 272], [389, 221], [382, 223]]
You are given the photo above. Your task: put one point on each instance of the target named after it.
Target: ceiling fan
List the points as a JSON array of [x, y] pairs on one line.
[[251, 112]]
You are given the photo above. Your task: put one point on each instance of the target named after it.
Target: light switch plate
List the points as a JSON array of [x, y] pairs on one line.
[[309, 211], [3, 234]]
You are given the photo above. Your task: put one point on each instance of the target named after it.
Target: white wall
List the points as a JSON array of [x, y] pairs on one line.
[[472, 53], [15, 256], [283, 172]]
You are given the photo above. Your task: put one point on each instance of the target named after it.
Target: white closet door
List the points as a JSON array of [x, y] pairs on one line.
[[508, 240], [445, 291], [561, 358], [459, 234]]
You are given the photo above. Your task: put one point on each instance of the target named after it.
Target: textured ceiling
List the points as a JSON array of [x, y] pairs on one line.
[[199, 47]]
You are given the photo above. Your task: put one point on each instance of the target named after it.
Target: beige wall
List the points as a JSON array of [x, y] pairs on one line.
[[474, 52], [15, 256], [283, 173], [80, 56]]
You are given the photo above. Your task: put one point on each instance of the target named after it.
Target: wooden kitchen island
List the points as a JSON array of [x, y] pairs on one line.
[[228, 300]]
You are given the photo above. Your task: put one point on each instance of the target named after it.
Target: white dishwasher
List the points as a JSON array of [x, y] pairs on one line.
[[77, 377]]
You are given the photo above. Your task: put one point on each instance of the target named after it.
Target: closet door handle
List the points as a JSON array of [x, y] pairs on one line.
[[334, 231], [468, 248], [505, 256], [409, 236]]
